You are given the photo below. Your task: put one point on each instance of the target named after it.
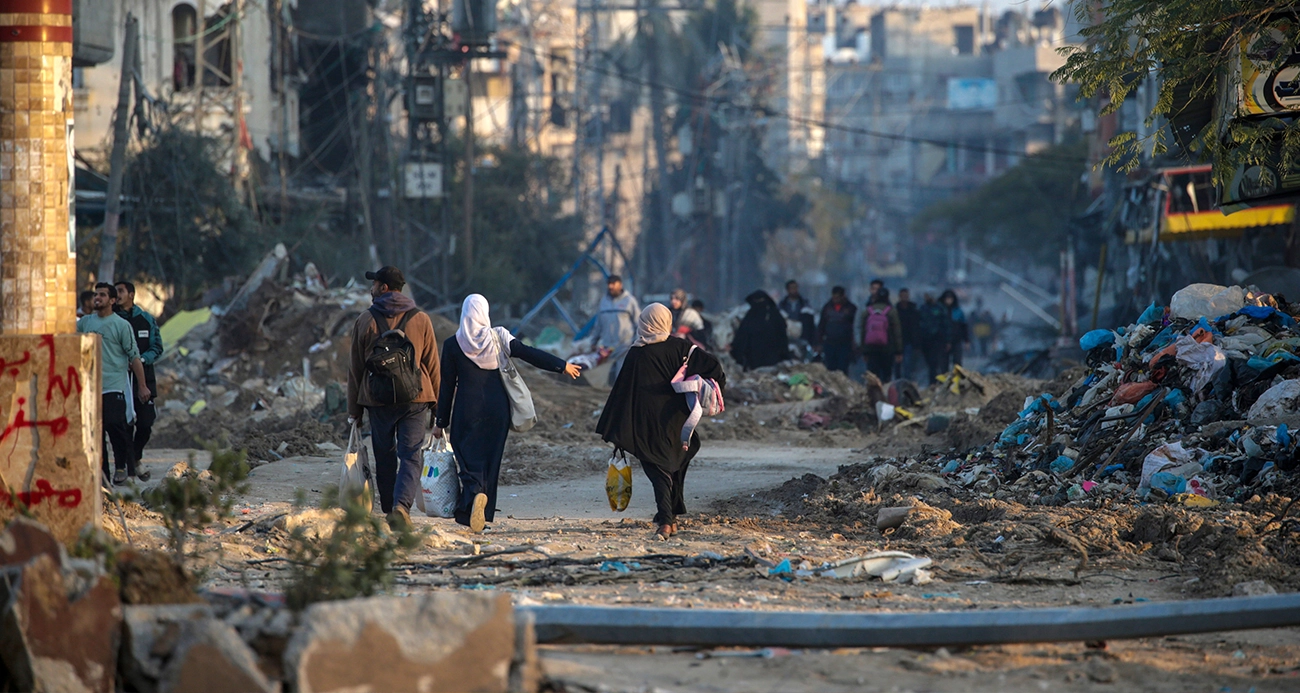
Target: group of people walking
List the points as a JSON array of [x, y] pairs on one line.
[[130, 343], [896, 338], [462, 394]]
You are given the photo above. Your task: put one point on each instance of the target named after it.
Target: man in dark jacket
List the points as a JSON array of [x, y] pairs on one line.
[[149, 340], [835, 331], [935, 329], [397, 430], [795, 307], [909, 319]]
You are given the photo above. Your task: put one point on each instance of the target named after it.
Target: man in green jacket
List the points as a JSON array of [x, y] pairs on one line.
[[148, 339]]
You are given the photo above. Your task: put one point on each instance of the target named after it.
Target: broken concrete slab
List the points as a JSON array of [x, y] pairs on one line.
[[51, 640], [437, 643], [212, 658], [49, 403], [892, 518], [24, 539], [150, 635]]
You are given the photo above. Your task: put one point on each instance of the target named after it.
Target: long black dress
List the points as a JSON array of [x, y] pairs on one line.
[[644, 417], [761, 337], [474, 401]]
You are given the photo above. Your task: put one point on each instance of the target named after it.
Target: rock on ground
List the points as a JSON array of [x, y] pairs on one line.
[[441, 642]]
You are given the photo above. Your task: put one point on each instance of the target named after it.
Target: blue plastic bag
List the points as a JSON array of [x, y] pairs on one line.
[[1152, 315], [1062, 465], [1095, 338]]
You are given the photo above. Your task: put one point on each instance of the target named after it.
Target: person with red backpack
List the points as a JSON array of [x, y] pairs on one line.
[[882, 335]]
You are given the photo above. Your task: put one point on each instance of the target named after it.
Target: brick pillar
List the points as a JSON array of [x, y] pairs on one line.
[[38, 269]]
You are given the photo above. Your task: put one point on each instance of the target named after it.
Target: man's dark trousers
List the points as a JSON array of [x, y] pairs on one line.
[[397, 434], [145, 415], [119, 434]]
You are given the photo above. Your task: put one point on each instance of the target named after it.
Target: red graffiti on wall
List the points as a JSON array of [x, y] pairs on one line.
[[64, 384], [57, 426], [12, 367], [63, 498]]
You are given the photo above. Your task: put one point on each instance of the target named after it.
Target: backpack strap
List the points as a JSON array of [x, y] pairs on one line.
[[380, 319]]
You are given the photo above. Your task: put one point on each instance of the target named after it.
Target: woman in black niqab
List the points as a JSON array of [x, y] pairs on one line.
[[644, 415], [761, 340]]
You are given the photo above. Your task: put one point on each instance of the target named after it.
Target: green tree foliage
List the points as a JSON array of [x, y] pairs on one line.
[[1023, 212], [352, 561], [1190, 46], [185, 226], [522, 242]]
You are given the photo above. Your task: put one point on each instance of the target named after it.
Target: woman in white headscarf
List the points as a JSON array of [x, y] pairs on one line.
[[644, 415], [473, 404]]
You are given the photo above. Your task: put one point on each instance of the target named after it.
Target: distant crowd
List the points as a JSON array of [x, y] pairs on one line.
[[898, 339]]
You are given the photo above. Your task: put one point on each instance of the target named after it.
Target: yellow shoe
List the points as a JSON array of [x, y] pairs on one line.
[[476, 519]]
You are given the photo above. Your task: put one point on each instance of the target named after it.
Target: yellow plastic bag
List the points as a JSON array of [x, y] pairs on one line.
[[618, 482]]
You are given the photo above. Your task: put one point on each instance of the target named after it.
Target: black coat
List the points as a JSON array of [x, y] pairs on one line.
[[473, 402], [761, 339], [643, 415]]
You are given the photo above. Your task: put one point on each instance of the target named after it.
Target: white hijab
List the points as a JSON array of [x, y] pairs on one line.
[[475, 335]]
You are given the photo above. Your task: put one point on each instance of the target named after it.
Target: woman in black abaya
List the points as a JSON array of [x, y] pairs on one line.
[[473, 400], [761, 339], [644, 415]]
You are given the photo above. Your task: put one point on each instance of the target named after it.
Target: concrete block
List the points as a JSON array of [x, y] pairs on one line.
[[50, 430], [51, 640], [892, 518], [24, 539], [435, 643], [212, 658], [150, 635]]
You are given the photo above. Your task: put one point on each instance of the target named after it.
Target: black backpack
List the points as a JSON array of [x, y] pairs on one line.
[[393, 373]]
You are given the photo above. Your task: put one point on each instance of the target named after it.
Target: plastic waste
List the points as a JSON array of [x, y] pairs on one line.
[[1280, 403], [1062, 465], [1203, 358], [1095, 338], [1206, 300], [1167, 455], [1153, 315], [618, 481]]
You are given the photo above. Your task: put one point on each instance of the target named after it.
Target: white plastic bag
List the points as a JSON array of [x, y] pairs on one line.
[[355, 478], [1278, 404], [1196, 301], [439, 485]]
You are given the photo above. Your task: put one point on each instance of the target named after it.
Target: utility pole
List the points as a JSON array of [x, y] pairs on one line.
[[200, 64], [38, 250], [239, 155], [117, 159], [282, 57], [468, 241]]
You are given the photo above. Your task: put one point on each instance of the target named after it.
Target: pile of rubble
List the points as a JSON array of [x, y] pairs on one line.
[[265, 373], [1195, 403], [71, 624]]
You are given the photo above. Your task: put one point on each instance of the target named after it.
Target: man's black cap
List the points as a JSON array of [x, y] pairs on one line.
[[389, 275]]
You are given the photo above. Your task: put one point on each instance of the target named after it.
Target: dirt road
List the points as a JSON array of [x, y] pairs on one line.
[[721, 471]]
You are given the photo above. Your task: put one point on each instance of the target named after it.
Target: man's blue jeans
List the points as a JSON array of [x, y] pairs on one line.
[[397, 433]]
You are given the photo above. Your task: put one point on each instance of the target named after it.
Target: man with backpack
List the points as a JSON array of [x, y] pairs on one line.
[[393, 374], [882, 335]]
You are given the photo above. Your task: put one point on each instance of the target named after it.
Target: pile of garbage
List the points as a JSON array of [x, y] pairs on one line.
[[1196, 403]]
